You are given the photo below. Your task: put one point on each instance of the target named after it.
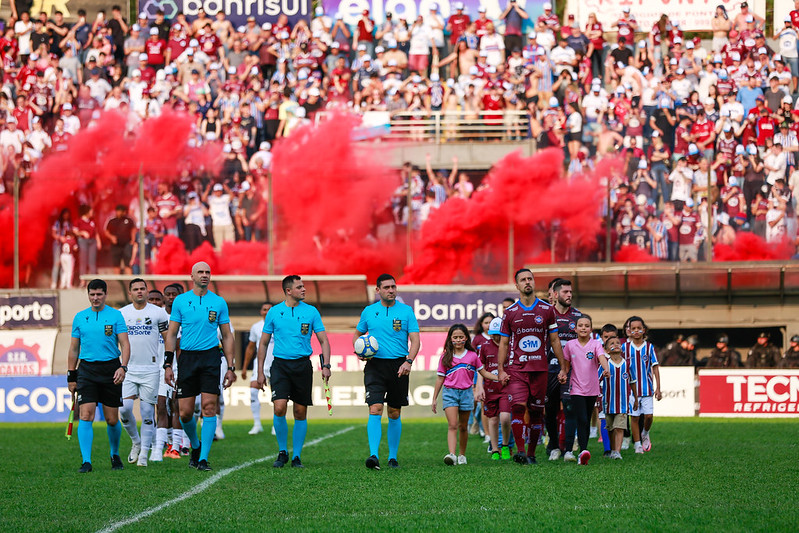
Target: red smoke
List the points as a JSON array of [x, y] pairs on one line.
[[99, 166], [467, 241], [326, 189], [634, 254], [750, 247]]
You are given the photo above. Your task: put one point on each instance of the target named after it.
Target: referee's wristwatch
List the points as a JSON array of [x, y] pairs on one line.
[[409, 361], [124, 367], [326, 366]]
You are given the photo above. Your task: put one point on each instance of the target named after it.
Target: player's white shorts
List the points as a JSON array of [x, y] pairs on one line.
[[144, 385], [646, 406], [222, 372], [164, 389]]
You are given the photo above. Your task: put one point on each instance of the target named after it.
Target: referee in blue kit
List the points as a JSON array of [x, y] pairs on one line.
[[292, 322], [100, 341], [198, 315]]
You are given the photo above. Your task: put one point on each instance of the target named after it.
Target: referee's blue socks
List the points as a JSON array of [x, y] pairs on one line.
[[374, 431], [190, 428], [394, 434], [298, 439], [85, 438], [281, 433], [114, 432], [209, 428]]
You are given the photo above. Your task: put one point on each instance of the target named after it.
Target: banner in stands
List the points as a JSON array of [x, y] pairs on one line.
[[32, 311], [236, 11], [692, 15], [749, 393], [444, 308], [678, 390], [351, 10], [34, 399], [27, 352]]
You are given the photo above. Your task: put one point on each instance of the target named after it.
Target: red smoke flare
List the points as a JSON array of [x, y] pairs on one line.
[[466, 241], [100, 166]]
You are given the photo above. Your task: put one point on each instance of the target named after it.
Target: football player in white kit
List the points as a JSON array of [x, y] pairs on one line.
[[249, 355], [147, 323]]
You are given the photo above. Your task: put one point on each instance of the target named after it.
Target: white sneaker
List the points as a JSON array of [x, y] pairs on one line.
[[450, 459], [156, 455], [639, 448], [487, 439], [569, 457], [625, 443], [142, 459], [615, 455], [646, 443], [133, 456], [593, 432], [461, 459], [554, 455], [273, 430], [219, 434], [255, 430]]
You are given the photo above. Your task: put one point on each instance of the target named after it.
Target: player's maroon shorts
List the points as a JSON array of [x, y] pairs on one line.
[[495, 403], [527, 388]]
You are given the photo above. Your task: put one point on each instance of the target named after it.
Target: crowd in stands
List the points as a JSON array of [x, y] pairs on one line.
[[696, 121]]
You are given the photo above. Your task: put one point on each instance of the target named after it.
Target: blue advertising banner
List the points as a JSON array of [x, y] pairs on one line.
[[351, 10], [236, 11], [442, 309], [34, 399]]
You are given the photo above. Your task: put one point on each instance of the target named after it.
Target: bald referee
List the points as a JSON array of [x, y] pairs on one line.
[[198, 315], [99, 340]]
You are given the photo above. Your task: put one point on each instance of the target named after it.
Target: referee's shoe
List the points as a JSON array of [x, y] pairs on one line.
[[116, 463], [194, 460]]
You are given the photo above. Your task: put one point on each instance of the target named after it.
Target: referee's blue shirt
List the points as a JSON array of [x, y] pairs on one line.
[[291, 327], [390, 326], [97, 332], [199, 318]]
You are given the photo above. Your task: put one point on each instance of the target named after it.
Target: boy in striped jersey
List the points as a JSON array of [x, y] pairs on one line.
[[641, 356], [616, 399]]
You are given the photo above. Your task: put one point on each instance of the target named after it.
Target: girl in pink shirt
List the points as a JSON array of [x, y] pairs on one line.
[[584, 355], [456, 375]]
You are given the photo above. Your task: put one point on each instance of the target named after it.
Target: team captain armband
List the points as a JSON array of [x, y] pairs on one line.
[[163, 326]]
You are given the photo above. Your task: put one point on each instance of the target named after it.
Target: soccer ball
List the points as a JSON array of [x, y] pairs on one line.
[[365, 346]]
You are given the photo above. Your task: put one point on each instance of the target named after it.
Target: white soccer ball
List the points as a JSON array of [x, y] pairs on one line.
[[365, 346]]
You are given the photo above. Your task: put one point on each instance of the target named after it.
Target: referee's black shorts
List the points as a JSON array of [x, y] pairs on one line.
[[292, 379], [382, 384], [96, 383], [198, 372]]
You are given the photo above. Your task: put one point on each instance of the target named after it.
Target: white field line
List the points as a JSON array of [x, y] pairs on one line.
[[197, 489]]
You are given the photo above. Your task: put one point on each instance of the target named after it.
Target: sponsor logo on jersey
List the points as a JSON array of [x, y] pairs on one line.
[[624, 375], [589, 355], [211, 316], [572, 325], [397, 324], [305, 328], [109, 330], [530, 343], [539, 319]]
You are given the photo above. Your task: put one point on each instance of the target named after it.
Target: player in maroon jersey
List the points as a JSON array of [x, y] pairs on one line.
[[528, 328], [566, 317]]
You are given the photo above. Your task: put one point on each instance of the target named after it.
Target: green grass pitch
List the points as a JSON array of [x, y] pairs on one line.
[[701, 475]]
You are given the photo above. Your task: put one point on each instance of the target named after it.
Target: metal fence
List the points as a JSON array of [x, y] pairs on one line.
[[446, 126]]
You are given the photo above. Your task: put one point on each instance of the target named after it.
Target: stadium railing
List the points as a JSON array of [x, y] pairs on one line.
[[444, 126], [327, 290]]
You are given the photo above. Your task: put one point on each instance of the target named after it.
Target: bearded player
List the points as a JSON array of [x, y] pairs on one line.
[[528, 328]]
